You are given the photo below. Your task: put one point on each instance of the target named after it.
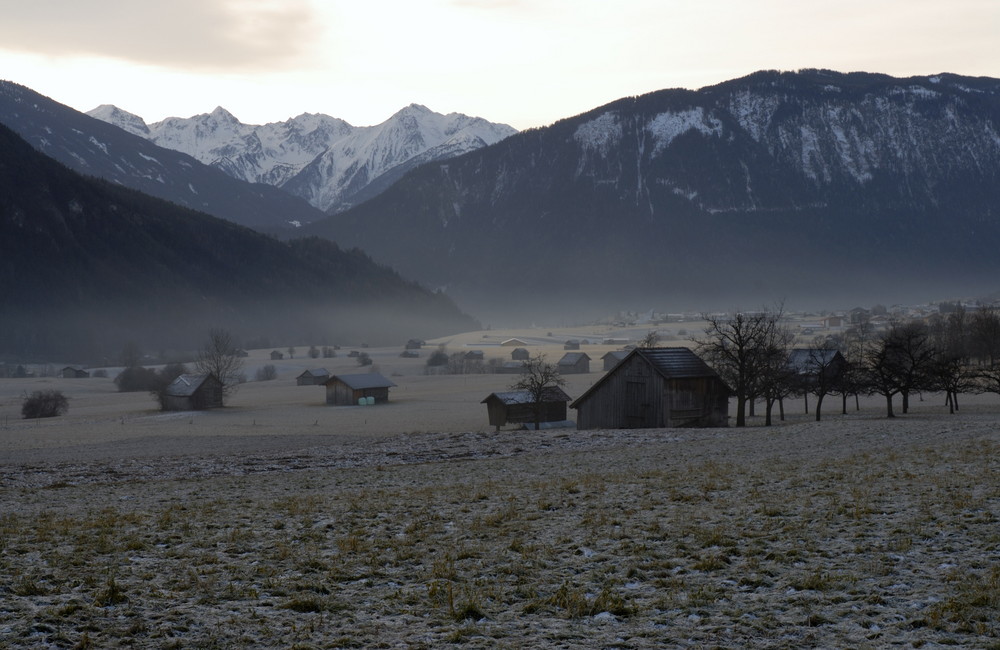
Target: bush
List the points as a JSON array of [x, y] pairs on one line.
[[266, 373], [136, 379], [44, 404]]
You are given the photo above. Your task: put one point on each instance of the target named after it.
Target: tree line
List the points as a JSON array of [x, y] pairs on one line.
[[956, 353]]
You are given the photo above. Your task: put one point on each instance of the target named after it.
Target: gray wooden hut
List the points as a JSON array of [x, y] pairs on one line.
[[520, 354], [276, 355], [654, 388], [613, 358], [313, 377], [519, 406], [347, 390], [71, 372], [574, 363], [193, 393]]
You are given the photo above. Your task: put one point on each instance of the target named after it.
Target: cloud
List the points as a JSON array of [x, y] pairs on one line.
[[207, 35]]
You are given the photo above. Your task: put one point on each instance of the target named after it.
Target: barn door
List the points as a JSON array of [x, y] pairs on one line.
[[635, 404]]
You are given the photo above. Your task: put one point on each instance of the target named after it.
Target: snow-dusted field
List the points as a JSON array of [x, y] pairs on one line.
[[280, 522]]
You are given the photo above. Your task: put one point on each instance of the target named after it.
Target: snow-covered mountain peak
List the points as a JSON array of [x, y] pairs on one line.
[[321, 158], [122, 119]]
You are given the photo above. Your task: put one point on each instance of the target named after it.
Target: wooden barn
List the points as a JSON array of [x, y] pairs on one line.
[[346, 390], [193, 393], [314, 377], [276, 355], [574, 363], [613, 358], [571, 344], [653, 388], [520, 354], [519, 406], [69, 372]]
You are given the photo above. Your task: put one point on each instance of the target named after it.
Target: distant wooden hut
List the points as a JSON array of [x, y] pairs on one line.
[[512, 342], [346, 390], [574, 363], [520, 354], [193, 393], [314, 377], [613, 358], [415, 344], [655, 388], [571, 344], [276, 355], [70, 372], [519, 406]]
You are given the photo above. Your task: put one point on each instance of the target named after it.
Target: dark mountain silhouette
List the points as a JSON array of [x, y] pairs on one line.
[[816, 187], [96, 148], [86, 266]]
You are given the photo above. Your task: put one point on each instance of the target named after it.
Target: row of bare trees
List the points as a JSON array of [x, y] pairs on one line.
[[959, 353]]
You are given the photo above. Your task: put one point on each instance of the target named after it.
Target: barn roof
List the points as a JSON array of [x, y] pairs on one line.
[[186, 385], [670, 363], [676, 363], [549, 394], [808, 360], [316, 372], [573, 358], [362, 381]]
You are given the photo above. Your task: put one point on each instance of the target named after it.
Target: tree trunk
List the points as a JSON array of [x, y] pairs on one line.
[[805, 398], [843, 403], [906, 401], [819, 405], [781, 409], [741, 406], [888, 407]]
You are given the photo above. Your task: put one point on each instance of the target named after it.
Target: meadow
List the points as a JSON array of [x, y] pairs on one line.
[[281, 522]]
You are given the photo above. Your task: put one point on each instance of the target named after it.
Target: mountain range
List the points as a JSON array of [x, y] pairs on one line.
[[816, 187], [322, 159], [95, 148], [86, 265]]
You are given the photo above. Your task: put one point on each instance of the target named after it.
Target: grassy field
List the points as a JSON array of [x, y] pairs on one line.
[[280, 522]]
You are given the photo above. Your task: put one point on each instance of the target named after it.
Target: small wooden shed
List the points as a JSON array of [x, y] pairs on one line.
[[276, 355], [574, 363], [70, 372], [613, 358], [193, 393], [346, 390], [519, 406], [654, 388], [520, 354], [314, 377]]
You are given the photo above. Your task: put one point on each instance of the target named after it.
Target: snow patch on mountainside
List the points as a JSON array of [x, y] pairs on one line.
[[667, 126], [601, 134]]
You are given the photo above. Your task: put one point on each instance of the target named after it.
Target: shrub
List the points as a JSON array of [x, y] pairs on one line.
[[44, 404], [266, 373]]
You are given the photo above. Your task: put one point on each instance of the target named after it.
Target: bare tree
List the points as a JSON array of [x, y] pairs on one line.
[[537, 377], [739, 349], [900, 362], [650, 340], [219, 357]]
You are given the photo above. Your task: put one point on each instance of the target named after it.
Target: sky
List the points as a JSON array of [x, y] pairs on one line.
[[526, 63]]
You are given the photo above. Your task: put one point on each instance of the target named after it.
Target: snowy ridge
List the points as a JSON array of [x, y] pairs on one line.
[[323, 159]]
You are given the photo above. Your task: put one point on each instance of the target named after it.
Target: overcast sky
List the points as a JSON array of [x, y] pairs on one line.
[[526, 63]]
